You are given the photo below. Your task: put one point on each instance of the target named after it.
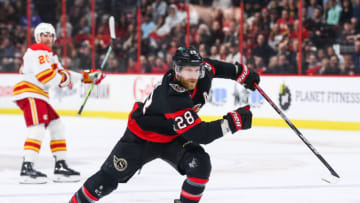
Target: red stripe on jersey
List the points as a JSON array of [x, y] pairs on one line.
[[212, 67], [87, 193], [39, 46], [190, 196], [184, 119], [194, 92], [147, 135], [198, 180], [74, 200]]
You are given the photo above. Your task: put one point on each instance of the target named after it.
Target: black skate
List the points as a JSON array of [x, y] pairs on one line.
[[28, 175], [62, 173], [177, 201]]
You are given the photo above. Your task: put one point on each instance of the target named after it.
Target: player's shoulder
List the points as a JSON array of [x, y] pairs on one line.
[[40, 47]]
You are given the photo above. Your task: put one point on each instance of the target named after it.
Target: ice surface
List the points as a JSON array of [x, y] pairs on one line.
[[254, 166]]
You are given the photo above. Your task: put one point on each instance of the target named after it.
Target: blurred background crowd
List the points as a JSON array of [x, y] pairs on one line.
[[330, 34]]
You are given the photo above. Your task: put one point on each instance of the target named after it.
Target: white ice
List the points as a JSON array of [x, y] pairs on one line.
[[260, 165]]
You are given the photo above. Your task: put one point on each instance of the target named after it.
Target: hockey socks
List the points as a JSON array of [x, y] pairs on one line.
[[83, 196], [192, 189]]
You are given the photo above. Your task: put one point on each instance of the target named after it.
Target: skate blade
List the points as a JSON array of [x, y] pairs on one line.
[[66, 179], [30, 180]]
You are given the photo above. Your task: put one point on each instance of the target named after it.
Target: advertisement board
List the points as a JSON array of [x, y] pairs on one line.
[[314, 100]]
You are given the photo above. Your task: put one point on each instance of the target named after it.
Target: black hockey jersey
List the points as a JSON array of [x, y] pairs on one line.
[[171, 111]]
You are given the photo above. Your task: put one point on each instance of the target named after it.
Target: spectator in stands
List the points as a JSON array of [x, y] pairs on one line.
[[330, 51], [273, 18], [214, 52], [312, 64], [160, 66], [346, 12], [333, 14], [59, 27], [202, 35], [223, 52], [174, 17], [313, 4], [168, 60], [356, 56], [265, 19], [275, 36], [147, 26], [262, 49], [159, 9], [84, 55], [234, 55], [144, 65], [132, 67], [284, 21], [230, 32], [324, 65], [333, 67], [259, 66], [347, 68], [356, 10], [320, 53], [284, 66], [113, 65], [271, 68], [203, 50], [216, 33]]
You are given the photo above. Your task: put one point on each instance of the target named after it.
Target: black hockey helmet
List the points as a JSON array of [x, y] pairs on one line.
[[188, 57]]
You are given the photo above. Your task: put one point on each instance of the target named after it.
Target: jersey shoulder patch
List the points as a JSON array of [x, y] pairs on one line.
[[39, 47], [177, 87]]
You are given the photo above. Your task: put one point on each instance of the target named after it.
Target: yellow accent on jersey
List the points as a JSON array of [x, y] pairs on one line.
[[25, 86]]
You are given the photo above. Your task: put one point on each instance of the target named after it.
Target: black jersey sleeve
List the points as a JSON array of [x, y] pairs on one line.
[[222, 69], [189, 125]]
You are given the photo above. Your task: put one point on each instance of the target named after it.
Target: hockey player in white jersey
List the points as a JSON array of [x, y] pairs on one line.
[[40, 71]]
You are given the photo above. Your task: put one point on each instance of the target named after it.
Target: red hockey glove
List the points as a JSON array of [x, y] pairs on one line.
[[247, 76], [93, 75], [65, 78], [240, 119]]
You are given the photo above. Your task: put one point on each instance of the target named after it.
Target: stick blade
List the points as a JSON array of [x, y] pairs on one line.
[[331, 179], [112, 27]]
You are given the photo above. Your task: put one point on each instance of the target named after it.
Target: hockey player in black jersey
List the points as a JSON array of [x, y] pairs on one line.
[[166, 126]]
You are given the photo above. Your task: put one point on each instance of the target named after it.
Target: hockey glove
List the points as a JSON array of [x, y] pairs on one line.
[[92, 76], [247, 76], [240, 119], [65, 78]]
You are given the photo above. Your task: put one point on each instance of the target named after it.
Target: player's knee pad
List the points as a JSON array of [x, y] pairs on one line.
[[36, 132], [100, 184], [124, 161], [57, 129], [197, 164]]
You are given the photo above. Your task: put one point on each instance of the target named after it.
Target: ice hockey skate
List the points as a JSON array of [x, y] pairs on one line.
[[29, 175], [62, 173]]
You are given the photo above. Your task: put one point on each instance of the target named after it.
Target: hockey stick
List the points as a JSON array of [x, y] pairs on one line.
[[298, 133], [112, 35]]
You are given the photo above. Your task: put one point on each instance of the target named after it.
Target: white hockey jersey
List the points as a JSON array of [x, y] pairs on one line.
[[40, 72]]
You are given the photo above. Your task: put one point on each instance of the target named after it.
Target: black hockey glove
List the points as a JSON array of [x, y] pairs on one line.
[[240, 119], [247, 76]]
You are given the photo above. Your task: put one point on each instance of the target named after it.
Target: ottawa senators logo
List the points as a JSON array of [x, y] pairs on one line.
[[177, 87], [120, 164]]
